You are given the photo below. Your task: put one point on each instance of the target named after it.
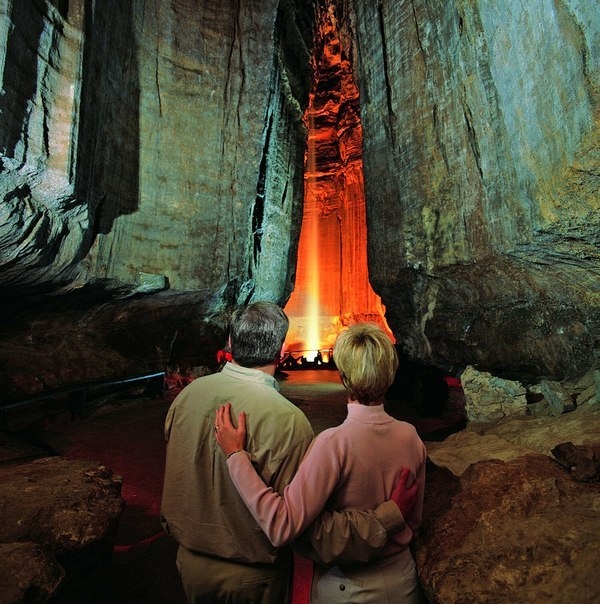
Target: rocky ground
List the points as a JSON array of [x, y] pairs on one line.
[[512, 511], [512, 508]]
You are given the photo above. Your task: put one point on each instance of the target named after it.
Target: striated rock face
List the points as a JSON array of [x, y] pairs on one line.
[[481, 172], [144, 147], [162, 139], [43, 226], [160, 146]]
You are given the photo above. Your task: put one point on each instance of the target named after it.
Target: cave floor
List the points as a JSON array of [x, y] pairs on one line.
[[126, 435]]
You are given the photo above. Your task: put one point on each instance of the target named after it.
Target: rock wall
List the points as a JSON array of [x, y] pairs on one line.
[[171, 136], [163, 143], [43, 227], [219, 151], [481, 172]]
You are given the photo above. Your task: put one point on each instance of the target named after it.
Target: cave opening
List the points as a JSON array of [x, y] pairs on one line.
[[332, 288]]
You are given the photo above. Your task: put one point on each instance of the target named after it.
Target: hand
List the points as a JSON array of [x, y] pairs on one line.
[[405, 498], [229, 438]]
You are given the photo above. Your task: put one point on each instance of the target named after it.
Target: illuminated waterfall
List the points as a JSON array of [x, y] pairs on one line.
[[305, 307], [332, 288], [310, 222]]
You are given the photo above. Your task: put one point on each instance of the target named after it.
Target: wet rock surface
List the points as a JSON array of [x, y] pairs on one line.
[[484, 244]]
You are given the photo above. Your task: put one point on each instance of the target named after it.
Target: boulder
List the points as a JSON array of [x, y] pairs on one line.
[[510, 531], [512, 512], [28, 573], [55, 514]]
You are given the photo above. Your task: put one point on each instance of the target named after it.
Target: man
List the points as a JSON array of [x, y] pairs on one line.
[[223, 555]]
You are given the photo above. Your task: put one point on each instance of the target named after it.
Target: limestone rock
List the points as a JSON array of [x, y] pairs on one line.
[[28, 573], [542, 434], [89, 334], [150, 283], [514, 531], [503, 521], [64, 505], [483, 234], [557, 396], [165, 155], [489, 398], [53, 511], [168, 139], [461, 450], [582, 460]]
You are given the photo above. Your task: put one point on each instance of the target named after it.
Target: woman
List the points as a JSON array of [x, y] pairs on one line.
[[352, 466]]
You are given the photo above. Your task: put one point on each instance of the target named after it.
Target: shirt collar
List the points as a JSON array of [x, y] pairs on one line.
[[371, 414], [249, 375]]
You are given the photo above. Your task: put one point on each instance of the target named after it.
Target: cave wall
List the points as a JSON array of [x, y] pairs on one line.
[[481, 172], [162, 139], [42, 225], [165, 140], [151, 178], [220, 144]]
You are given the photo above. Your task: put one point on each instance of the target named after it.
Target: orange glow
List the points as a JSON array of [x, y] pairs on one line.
[[310, 223], [332, 288]]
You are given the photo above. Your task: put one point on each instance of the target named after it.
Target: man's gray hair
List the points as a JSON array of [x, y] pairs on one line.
[[257, 333]]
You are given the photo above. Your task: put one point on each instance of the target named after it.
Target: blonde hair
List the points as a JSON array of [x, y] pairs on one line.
[[366, 360]]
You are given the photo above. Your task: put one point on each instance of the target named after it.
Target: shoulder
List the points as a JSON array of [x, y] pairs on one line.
[[284, 415], [283, 429], [196, 388], [202, 382], [406, 431], [409, 434], [331, 440]]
